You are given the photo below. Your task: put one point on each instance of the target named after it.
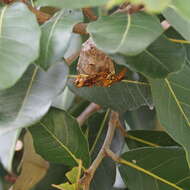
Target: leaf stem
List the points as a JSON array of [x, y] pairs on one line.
[[141, 141], [135, 82], [179, 41]]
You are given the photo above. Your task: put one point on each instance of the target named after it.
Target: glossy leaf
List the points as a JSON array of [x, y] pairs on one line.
[[162, 162], [153, 6], [8, 149], [34, 167], [31, 97], [125, 34], [181, 24], [142, 138], [70, 4], [159, 59], [58, 139], [121, 96], [171, 98], [56, 36], [182, 7], [19, 42]]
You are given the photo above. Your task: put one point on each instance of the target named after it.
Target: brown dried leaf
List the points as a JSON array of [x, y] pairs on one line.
[[41, 16], [34, 167]]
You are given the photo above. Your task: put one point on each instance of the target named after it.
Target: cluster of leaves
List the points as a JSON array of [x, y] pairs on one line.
[[35, 93]]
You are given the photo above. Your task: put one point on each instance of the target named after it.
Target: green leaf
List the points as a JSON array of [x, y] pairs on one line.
[[144, 118], [171, 98], [59, 139], [56, 36], [142, 138], [182, 7], [31, 97], [19, 42], [159, 59], [153, 6], [168, 166], [121, 96], [73, 174], [71, 4], [8, 149], [181, 24], [125, 34]]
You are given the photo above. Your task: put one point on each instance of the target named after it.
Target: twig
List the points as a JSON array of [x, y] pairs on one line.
[[87, 113], [88, 12], [114, 121]]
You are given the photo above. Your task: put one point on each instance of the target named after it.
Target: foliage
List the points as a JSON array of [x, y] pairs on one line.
[[136, 124]]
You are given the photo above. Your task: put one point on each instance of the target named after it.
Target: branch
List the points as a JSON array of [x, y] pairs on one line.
[[92, 108], [114, 121]]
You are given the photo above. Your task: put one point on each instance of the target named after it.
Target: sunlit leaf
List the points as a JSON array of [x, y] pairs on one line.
[[125, 34], [8, 149], [181, 24], [71, 4], [31, 97], [182, 7], [151, 5], [56, 36], [19, 42]]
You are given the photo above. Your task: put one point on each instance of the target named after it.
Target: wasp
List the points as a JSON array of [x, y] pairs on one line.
[[95, 68]]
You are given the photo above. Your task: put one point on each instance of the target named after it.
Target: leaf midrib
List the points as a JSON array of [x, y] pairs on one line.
[[177, 101], [50, 36], [59, 142], [124, 37], [1, 19]]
